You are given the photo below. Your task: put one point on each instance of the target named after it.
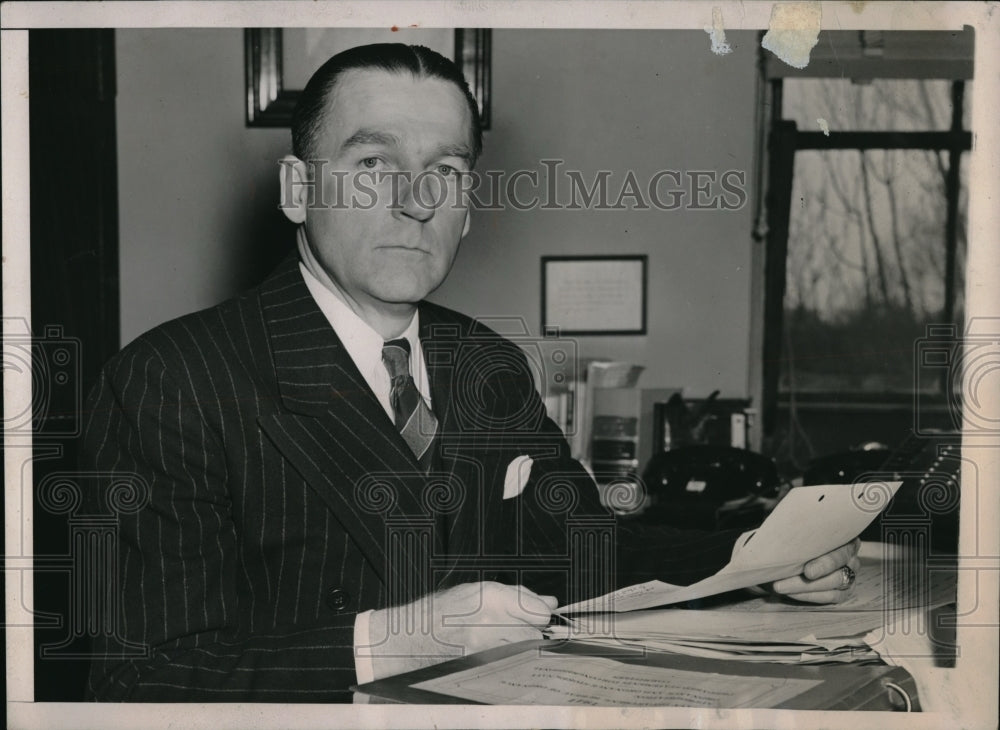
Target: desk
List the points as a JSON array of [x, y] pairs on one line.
[[910, 638], [922, 640]]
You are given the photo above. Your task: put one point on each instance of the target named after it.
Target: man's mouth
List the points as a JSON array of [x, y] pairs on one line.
[[409, 249]]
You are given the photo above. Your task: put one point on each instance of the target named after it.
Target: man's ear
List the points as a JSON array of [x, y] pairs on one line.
[[295, 188], [468, 223]]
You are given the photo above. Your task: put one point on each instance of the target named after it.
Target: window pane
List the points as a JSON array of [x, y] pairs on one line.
[[865, 267], [894, 105]]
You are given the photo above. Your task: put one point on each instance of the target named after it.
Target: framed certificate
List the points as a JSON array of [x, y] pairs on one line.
[[594, 295]]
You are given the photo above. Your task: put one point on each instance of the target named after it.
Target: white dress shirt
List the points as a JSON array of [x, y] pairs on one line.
[[364, 345]]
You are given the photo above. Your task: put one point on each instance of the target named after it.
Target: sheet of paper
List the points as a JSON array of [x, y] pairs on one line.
[[761, 653], [537, 678], [770, 627], [883, 584], [807, 523], [813, 520]]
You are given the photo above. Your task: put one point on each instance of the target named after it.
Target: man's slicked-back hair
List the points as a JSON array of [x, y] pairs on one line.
[[314, 102]]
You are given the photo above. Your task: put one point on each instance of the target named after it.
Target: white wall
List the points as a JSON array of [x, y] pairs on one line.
[[198, 189]]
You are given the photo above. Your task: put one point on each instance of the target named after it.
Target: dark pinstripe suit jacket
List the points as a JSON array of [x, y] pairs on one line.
[[277, 500]]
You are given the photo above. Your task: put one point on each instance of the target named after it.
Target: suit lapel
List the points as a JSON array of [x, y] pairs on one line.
[[332, 427], [470, 450], [333, 430], [439, 340]]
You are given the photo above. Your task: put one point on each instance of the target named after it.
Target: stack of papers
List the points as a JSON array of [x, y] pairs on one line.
[[808, 522], [798, 638], [885, 598]]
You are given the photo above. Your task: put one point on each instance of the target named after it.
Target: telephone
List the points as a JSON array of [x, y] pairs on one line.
[[709, 488], [928, 465]]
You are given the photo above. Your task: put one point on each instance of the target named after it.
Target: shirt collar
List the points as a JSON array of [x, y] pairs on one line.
[[362, 342], [353, 331]]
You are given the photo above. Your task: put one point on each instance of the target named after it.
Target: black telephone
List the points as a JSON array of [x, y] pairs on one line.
[[709, 488], [928, 465]]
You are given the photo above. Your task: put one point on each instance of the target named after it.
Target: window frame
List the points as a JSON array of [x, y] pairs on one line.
[[784, 139]]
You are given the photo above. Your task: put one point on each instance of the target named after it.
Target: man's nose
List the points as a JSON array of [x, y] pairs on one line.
[[417, 196]]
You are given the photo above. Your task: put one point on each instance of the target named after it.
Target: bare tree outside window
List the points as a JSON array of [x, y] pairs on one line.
[[866, 265]]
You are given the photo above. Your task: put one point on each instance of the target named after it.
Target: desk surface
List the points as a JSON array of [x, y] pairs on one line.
[[916, 639]]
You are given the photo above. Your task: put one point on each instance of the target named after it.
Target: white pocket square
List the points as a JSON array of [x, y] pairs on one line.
[[516, 479]]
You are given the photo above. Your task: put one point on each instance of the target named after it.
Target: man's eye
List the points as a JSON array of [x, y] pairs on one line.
[[370, 162], [446, 170]]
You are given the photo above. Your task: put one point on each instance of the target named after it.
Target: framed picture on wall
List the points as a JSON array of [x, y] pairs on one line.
[[279, 62], [594, 295]]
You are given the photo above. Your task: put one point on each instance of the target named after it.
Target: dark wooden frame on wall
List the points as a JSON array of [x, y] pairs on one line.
[[270, 104], [641, 258]]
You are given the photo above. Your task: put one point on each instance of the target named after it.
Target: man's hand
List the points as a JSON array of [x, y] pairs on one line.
[[822, 579], [461, 620]]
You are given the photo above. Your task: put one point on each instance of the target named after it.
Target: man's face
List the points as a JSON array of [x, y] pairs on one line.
[[388, 218]]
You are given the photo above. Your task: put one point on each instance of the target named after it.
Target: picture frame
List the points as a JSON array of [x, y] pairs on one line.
[[270, 102], [594, 295]]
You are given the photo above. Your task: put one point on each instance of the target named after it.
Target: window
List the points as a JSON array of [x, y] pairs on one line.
[[868, 251], [865, 248]]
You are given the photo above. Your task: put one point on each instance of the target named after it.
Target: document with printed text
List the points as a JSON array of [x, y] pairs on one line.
[[539, 678]]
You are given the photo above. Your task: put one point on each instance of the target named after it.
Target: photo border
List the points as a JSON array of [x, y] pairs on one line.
[[977, 671]]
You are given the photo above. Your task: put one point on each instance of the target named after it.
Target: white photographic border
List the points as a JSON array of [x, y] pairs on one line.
[[974, 680]]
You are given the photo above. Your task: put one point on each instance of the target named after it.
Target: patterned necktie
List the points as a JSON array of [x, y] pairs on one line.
[[414, 418]]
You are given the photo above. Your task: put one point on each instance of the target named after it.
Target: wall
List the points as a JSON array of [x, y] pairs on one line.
[[624, 100], [198, 190], [198, 220]]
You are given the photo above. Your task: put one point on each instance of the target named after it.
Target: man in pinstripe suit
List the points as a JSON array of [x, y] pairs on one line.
[[291, 537]]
